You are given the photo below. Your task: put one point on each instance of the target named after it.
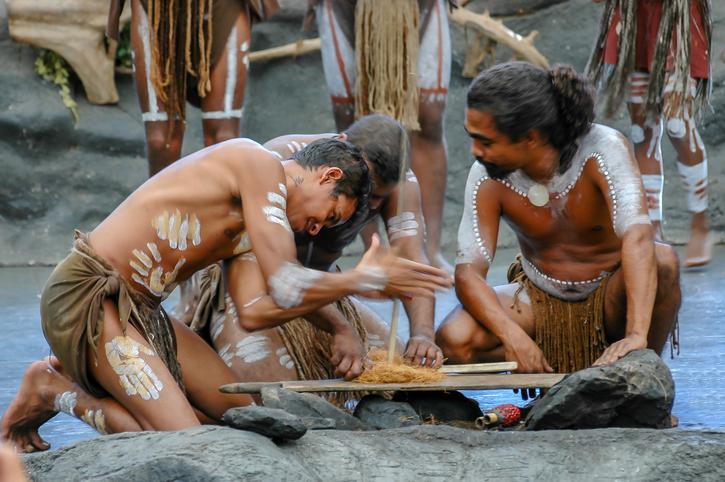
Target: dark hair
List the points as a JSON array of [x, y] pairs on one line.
[[355, 181], [522, 97], [380, 137]]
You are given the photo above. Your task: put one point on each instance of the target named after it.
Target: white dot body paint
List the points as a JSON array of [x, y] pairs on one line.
[[471, 245], [66, 402], [402, 225], [287, 286], [637, 134], [253, 348], [134, 374], [284, 358], [676, 128]]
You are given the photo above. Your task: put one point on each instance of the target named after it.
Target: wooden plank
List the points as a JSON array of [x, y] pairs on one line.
[[480, 368], [457, 382]]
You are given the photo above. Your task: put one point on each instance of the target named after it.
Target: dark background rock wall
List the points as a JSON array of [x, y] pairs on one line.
[[56, 175]]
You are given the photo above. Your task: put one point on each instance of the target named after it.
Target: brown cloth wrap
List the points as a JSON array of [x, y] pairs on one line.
[[570, 333], [71, 314]]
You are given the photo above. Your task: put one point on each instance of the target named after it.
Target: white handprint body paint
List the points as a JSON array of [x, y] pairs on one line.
[[96, 420], [66, 402], [179, 229], [134, 374]]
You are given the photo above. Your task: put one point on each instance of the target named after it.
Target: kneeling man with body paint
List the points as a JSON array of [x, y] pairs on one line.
[[591, 284], [122, 364], [262, 342]]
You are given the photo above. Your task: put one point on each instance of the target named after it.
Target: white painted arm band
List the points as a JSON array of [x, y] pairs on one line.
[[288, 285], [471, 244], [402, 226]]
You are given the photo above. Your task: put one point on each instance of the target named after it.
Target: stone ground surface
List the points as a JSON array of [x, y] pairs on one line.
[[406, 454], [698, 371], [58, 175]]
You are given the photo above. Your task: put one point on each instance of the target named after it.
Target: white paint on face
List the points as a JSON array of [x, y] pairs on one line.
[[134, 374], [66, 402], [284, 358], [253, 348]]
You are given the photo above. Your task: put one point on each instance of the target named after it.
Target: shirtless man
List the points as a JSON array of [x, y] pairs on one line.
[[244, 334], [151, 373], [591, 285]]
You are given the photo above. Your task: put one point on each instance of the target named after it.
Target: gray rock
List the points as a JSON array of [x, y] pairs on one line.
[[415, 453], [380, 413], [308, 405], [270, 422], [635, 391], [441, 406], [319, 423]]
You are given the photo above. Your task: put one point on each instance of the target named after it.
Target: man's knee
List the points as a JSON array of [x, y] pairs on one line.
[[160, 145], [668, 265], [456, 346], [431, 122], [219, 134]]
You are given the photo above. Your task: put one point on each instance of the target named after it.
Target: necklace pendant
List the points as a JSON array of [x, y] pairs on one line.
[[538, 195]]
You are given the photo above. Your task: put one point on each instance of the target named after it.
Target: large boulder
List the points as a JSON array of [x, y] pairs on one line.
[[413, 453], [635, 391]]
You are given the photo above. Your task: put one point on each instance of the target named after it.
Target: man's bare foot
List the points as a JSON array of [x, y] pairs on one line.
[[438, 261], [33, 406], [698, 251]]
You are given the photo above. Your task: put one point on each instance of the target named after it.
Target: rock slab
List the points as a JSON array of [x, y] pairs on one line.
[[270, 422], [308, 405], [441, 406], [419, 453], [380, 413], [635, 391]]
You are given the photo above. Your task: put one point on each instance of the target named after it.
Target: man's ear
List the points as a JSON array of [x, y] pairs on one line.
[[535, 139], [341, 136], [331, 174]]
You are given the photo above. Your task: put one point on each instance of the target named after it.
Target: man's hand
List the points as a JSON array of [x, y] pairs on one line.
[[399, 277], [348, 354], [421, 350], [617, 350], [522, 349]]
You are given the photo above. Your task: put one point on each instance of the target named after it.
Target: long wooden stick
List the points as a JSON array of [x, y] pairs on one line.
[[294, 49], [480, 368], [457, 382]]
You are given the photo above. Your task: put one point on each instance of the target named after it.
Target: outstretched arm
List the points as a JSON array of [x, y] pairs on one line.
[[620, 182], [262, 188], [476, 248], [405, 233]]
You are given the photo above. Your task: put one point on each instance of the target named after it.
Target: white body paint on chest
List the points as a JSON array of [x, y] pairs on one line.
[[179, 229]]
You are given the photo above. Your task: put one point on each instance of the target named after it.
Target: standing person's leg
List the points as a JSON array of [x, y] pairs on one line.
[[646, 136], [692, 167], [429, 153], [222, 108], [163, 139]]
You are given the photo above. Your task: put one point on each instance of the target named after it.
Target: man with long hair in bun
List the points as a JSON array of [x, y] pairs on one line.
[[591, 284]]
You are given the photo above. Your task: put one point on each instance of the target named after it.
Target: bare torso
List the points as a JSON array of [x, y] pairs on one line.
[[181, 220]]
